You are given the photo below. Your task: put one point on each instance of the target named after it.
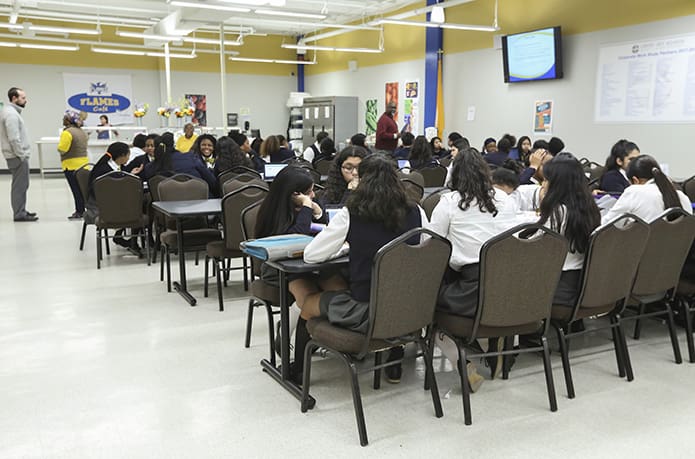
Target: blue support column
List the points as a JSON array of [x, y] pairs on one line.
[[300, 68], [434, 42]]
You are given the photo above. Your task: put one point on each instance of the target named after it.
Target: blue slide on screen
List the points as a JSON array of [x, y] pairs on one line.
[[532, 55]]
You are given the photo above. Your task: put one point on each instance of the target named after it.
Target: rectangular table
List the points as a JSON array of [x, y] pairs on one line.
[[179, 210], [294, 266]]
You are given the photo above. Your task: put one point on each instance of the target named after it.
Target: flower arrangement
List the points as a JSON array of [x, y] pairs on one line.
[[184, 109], [140, 110], [165, 111]]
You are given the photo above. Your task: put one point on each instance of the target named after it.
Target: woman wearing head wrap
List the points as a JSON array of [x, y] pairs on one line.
[[72, 147]]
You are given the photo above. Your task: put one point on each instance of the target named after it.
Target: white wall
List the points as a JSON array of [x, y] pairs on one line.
[[264, 96], [369, 83], [476, 79]]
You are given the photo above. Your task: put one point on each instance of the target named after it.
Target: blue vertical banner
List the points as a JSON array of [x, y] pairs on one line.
[[434, 44]]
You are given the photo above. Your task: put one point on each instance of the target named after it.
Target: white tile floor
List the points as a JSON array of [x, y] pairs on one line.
[[106, 364]]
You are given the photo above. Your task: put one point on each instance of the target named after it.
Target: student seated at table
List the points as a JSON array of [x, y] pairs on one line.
[[568, 207], [505, 180], [116, 156], [205, 147], [468, 217], [421, 154], [500, 154], [650, 194], [343, 176], [615, 178], [377, 211], [458, 145], [243, 142], [287, 209], [326, 151], [169, 161], [403, 152], [533, 174], [229, 156]]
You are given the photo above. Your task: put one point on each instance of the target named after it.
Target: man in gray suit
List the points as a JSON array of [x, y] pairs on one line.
[[16, 149]]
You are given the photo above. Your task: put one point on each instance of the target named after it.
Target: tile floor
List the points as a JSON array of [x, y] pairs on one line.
[[106, 364]]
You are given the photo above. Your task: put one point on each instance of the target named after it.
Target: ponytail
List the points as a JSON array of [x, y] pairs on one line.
[[645, 167]]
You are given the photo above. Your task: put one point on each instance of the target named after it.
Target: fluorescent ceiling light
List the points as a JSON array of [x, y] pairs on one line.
[[257, 2], [72, 30], [331, 48], [173, 55], [6, 44], [479, 28], [74, 17], [127, 52], [270, 61], [149, 36], [51, 47], [100, 6], [292, 14], [233, 9], [14, 15]]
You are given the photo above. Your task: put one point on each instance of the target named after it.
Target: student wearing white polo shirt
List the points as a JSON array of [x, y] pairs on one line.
[[652, 192]]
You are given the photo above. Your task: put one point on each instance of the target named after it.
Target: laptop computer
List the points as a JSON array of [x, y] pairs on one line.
[[402, 163], [331, 211], [272, 169]]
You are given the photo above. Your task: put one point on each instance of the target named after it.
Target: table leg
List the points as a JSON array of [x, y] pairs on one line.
[[283, 376], [181, 287], [40, 160]]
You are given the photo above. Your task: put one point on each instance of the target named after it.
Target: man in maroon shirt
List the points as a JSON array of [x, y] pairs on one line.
[[387, 130]]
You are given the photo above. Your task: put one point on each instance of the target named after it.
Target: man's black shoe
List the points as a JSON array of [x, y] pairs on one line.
[[27, 218], [31, 214]]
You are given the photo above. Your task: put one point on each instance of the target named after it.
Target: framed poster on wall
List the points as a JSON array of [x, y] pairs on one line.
[[199, 103]]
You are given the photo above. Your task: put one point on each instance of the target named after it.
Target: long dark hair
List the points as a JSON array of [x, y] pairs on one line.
[[335, 183], [277, 212], [114, 151], [420, 153], [229, 155], [163, 148], [619, 151], [568, 197], [523, 156], [645, 167], [380, 197], [470, 176], [196, 145]]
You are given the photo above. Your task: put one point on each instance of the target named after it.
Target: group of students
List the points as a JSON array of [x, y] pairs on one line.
[[479, 205]]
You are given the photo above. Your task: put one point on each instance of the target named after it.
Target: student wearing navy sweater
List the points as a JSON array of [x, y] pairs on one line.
[[378, 211], [343, 176], [615, 178]]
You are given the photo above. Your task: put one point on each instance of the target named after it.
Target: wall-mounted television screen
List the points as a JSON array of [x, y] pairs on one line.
[[531, 56]]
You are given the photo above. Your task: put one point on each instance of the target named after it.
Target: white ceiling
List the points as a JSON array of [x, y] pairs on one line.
[[146, 13]]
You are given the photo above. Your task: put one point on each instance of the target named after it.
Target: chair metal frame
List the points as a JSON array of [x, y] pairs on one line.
[[527, 231], [615, 314], [349, 360], [666, 297], [219, 263], [145, 233]]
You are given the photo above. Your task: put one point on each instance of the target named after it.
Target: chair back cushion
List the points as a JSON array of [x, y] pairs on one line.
[[518, 276], [433, 176], [670, 238], [610, 264], [323, 166], [184, 188], [233, 205], [82, 176], [234, 184], [431, 201], [689, 188], [119, 198], [415, 191], [405, 284]]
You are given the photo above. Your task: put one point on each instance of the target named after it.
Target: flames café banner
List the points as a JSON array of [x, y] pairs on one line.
[[98, 95]]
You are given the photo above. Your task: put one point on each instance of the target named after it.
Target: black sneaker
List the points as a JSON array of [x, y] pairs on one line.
[[393, 373]]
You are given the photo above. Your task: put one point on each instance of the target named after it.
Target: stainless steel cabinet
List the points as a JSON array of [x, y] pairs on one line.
[[335, 115]]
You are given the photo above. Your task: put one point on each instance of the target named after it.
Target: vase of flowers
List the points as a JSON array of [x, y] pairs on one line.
[[164, 113], [139, 112], [184, 111]]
